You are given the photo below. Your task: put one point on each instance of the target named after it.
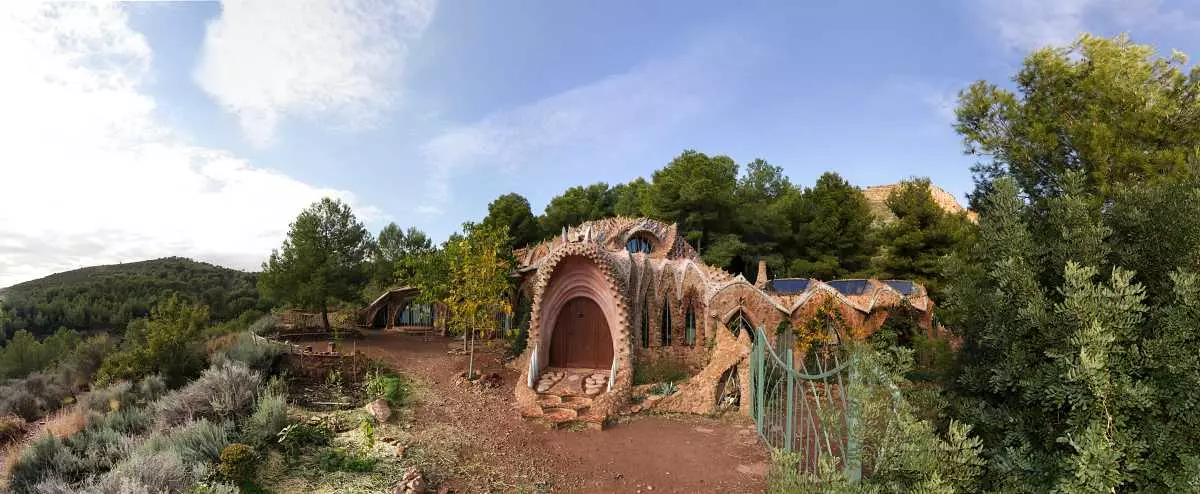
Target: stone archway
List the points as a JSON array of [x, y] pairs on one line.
[[578, 283]]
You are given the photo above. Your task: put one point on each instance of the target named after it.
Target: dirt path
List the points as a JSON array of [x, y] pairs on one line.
[[684, 454]]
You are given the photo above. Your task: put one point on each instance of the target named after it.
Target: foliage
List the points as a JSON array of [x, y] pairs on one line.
[[665, 389], [264, 324], [829, 229], [225, 391], [269, 417], [257, 353], [394, 256], [391, 388], [630, 199], [170, 343], [576, 205], [24, 354], [109, 297], [346, 460], [37, 394], [697, 192], [659, 371], [238, 463], [921, 236], [512, 211], [46, 457], [1109, 108], [479, 274], [194, 442], [301, 435], [1073, 369], [322, 261]]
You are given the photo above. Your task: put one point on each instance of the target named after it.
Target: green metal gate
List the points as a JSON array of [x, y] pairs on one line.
[[801, 404]]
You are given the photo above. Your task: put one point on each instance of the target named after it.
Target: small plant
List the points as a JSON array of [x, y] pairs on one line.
[[238, 463], [269, 417], [297, 436], [665, 389], [368, 432], [390, 388], [344, 460], [335, 384]]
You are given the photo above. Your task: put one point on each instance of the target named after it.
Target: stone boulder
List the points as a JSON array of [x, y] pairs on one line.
[[379, 410], [412, 483]]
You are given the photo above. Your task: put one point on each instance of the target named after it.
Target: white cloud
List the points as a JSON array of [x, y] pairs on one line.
[[620, 111], [337, 60], [89, 175], [1026, 25]]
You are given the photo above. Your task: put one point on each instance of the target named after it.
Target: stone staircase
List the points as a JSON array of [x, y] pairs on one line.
[[565, 396]]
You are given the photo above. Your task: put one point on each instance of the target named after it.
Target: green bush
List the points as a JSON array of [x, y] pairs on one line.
[[195, 442], [145, 471], [665, 389], [257, 353], [295, 437], [99, 447], [269, 417], [238, 463], [12, 427], [265, 324], [46, 458], [345, 460], [391, 388], [226, 391], [660, 370]]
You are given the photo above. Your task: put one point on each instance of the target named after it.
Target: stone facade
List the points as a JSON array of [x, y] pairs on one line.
[[662, 304]]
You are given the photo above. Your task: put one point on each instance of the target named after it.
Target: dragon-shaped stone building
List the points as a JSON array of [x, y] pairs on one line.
[[617, 296]]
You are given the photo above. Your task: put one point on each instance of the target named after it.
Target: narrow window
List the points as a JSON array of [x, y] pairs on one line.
[[666, 322], [639, 243], [689, 326], [645, 324]]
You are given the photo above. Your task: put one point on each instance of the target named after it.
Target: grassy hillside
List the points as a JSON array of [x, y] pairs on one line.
[[108, 297]]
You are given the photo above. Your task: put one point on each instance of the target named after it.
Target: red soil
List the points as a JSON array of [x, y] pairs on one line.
[[685, 454]]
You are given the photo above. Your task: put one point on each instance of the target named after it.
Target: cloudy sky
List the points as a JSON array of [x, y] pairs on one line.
[[137, 131]]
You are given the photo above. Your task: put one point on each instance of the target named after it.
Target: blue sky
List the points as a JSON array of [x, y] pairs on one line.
[[422, 112]]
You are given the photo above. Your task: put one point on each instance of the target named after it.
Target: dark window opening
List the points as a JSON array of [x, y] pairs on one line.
[[666, 322], [645, 324], [689, 326], [639, 243]]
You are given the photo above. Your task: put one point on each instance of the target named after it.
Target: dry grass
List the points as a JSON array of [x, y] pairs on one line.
[[63, 423], [66, 421]]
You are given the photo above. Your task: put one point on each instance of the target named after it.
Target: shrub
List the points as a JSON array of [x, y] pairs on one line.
[[108, 398], [224, 391], [390, 388], [297, 436], [130, 420], [47, 458], [22, 403], [661, 370], [269, 417], [344, 460], [265, 324], [144, 471], [98, 447], [12, 428], [195, 442], [152, 387], [238, 463], [257, 353], [665, 389]]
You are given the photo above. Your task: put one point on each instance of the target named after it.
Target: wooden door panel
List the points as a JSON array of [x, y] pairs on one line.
[[580, 336]]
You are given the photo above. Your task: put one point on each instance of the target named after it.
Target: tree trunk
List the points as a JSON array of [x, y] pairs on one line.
[[471, 358], [325, 316]]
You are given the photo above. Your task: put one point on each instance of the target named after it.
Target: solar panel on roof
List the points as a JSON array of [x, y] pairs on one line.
[[788, 286], [905, 287], [849, 287]]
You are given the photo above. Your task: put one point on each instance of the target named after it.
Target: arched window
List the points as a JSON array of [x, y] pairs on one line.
[[639, 243], [739, 322], [646, 323], [666, 322], [689, 326]]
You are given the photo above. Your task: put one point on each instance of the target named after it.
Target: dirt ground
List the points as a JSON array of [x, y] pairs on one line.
[[504, 453]]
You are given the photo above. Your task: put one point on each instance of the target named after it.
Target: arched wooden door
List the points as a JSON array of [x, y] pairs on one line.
[[581, 338]]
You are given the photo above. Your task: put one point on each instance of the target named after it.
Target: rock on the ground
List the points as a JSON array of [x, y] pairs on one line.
[[412, 483], [379, 410]]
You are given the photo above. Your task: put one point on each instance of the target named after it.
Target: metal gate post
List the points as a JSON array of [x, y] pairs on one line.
[[853, 410], [790, 427]]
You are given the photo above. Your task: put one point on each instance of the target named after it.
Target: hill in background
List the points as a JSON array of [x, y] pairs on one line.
[[108, 297], [877, 198]]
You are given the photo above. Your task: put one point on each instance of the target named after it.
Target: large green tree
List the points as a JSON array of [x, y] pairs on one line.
[[1110, 108], [758, 221], [829, 230], [513, 212], [322, 261], [916, 243], [696, 191], [1076, 369], [394, 256], [630, 199], [170, 343], [577, 205]]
